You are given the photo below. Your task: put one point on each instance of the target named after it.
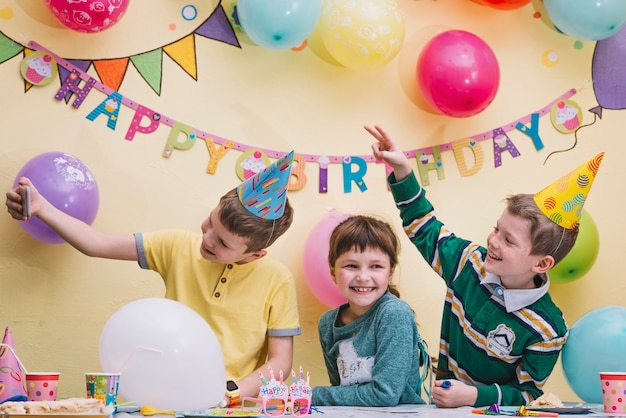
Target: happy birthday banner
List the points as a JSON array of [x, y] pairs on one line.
[[253, 159]]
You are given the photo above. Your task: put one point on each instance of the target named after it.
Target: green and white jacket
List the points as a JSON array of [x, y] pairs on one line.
[[504, 341]]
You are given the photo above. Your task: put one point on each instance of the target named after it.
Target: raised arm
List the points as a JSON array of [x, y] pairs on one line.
[[386, 149], [76, 232]]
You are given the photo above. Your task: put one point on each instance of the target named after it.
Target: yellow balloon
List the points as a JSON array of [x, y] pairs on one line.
[[362, 34]]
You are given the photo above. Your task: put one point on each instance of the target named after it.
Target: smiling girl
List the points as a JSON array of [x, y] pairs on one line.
[[372, 348]]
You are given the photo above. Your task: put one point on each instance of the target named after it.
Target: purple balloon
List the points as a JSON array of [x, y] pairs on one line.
[[67, 183], [608, 72]]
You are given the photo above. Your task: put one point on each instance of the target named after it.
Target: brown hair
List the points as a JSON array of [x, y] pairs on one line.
[[546, 237], [260, 232], [361, 233]]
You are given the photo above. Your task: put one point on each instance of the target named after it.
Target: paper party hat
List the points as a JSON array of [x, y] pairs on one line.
[[563, 200], [265, 193], [12, 378]]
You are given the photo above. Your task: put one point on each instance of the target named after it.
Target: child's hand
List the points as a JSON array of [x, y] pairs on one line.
[[14, 200], [455, 395], [387, 150]]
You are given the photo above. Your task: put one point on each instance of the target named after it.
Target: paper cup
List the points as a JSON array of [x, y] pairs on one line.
[[613, 392], [42, 386], [103, 386]]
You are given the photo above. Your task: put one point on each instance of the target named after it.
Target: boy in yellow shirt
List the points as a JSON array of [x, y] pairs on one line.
[[248, 299]]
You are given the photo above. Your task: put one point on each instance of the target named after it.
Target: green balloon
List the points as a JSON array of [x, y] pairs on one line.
[[582, 256]]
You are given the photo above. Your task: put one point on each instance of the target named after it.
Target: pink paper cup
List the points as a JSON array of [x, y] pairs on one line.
[[42, 386], [613, 392]]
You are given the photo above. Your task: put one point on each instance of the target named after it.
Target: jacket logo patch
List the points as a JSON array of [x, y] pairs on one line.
[[500, 340]]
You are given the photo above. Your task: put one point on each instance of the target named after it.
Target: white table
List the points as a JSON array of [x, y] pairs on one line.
[[427, 411], [403, 411]]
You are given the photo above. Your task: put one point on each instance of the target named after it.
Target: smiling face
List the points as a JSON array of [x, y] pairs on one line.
[[509, 253], [362, 277], [221, 245]]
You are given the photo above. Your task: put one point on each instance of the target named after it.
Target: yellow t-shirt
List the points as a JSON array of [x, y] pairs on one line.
[[242, 303]]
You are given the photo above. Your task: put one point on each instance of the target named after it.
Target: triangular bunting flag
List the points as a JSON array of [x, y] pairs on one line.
[[27, 84], [111, 72], [183, 52], [8, 48], [150, 67], [218, 27]]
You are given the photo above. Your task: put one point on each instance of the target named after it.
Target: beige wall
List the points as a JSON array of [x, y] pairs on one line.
[[57, 300]]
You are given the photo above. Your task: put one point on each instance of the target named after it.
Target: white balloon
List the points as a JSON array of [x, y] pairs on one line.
[[167, 354]]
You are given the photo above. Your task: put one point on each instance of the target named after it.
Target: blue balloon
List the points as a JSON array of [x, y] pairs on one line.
[[596, 344], [279, 24], [586, 19]]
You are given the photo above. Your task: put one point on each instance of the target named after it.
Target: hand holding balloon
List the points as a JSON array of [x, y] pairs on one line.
[[63, 181], [19, 200]]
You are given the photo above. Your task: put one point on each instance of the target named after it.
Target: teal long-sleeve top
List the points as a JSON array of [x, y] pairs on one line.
[[373, 361]]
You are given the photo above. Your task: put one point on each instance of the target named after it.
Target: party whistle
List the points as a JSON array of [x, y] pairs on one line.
[[526, 413], [484, 412]]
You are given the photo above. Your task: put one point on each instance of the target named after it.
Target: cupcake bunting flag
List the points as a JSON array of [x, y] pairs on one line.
[[563, 200], [265, 193], [12, 378]]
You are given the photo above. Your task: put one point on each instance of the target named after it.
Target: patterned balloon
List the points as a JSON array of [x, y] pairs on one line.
[[364, 34], [67, 183], [88, 16]]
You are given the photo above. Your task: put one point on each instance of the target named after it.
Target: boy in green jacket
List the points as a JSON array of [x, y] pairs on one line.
[[501, 333]]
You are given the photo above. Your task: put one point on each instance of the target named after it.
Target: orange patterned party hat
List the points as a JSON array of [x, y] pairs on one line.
[[563, 200], [265, 193], [12, 387]]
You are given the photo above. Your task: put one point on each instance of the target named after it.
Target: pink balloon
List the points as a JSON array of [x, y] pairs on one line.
[[458, 74], [88, 16], [67, 183], [315, 261]]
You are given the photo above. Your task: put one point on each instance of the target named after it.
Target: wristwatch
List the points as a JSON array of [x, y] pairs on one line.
[[232, 392]]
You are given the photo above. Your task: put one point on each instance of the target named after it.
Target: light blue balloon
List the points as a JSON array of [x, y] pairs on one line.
[[279, 24], [587, 19], [596, 343]]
